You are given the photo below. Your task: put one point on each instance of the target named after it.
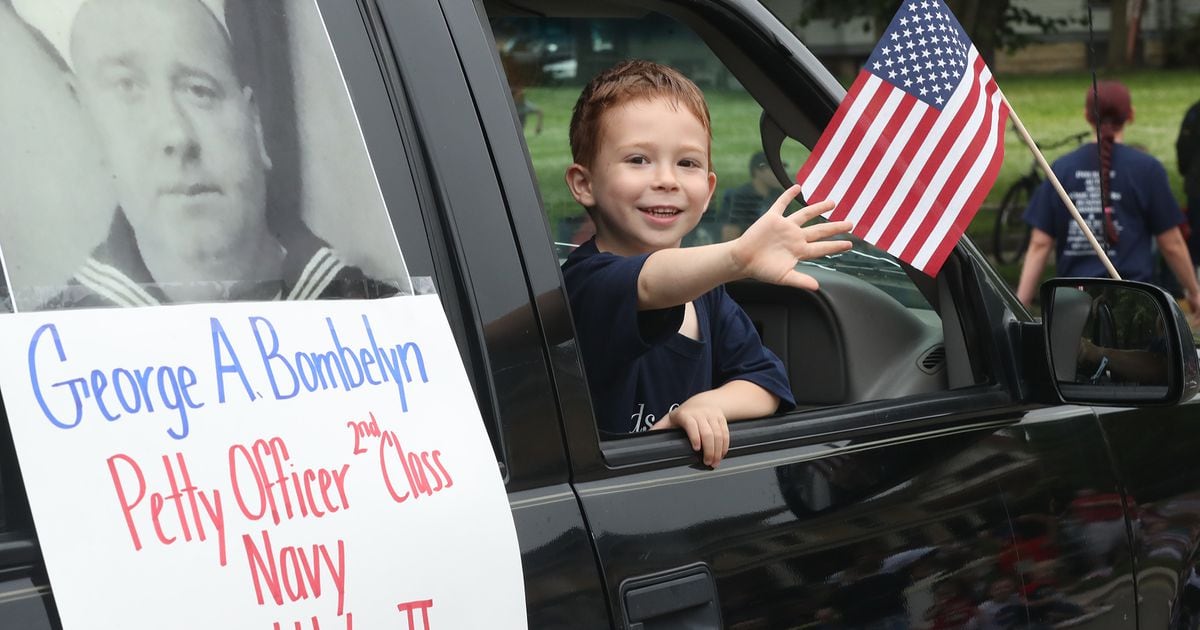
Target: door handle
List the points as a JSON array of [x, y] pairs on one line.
[[679, 599]]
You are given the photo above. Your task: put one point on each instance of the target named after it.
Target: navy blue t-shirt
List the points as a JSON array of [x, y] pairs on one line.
[[639, 367], [1142, 204]]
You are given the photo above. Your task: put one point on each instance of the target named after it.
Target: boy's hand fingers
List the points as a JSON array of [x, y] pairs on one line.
[[723, 443], [821, 231], [800, 281], [718, 439], [810, 212], [707, 438], [681, 421], [825, 248], [692, 429], [782, 202]]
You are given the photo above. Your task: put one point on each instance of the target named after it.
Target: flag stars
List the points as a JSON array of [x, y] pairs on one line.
[[907, 82], [924, 92], [877, 65], [912, 57], [948, 87], [939, 100], [903, 21], [925, 53]]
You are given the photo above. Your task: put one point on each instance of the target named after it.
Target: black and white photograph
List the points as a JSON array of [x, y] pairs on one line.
[[177, 151]]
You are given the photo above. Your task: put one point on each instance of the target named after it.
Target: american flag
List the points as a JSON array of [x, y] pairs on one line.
[[917, 142]]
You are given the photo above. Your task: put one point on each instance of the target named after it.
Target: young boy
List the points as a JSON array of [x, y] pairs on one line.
[[664, 344]]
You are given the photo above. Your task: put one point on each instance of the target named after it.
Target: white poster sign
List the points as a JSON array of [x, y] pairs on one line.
[[307, 466]]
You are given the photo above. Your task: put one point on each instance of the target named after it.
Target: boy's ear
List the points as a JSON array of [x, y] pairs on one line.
[[712, 189], [579, 182]]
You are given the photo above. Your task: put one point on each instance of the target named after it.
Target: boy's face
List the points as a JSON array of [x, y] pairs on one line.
[[650, 181]]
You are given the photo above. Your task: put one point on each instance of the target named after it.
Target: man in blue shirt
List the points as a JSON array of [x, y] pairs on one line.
[[1123, 195], [663, 344]]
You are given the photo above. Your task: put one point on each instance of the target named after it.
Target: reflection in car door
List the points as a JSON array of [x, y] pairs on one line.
[[1155, 456], [925, 521]]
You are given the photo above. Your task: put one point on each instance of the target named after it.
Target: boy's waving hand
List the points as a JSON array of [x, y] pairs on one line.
[[769, 248]]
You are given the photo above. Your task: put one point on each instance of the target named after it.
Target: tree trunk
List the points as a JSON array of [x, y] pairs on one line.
[[1118, 32], [1136, 8], [982, 21]]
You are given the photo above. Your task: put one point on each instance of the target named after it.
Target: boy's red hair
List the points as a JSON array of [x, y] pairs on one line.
[[635, 79]]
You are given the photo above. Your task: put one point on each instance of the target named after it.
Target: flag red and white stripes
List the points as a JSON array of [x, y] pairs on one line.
[[909, 157]]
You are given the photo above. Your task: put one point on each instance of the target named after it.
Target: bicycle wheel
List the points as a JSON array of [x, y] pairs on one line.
[[1011, 236]]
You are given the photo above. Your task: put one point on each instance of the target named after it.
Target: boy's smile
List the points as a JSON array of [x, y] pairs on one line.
[[650, 181]]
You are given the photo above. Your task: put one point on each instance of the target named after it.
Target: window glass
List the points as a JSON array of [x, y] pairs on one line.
[[204, 151], [548, 60]]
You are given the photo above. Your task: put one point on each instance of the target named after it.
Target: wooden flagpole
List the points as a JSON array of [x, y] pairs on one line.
[[1066, 199]]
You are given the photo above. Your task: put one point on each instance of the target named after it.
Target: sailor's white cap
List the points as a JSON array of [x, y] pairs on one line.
[[55, 18]]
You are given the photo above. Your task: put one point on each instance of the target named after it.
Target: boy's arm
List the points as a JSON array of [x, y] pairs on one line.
[[767, 251], [705, 417], [738, 400]]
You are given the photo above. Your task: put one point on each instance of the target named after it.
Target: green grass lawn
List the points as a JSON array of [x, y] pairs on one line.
[[1051, 106]]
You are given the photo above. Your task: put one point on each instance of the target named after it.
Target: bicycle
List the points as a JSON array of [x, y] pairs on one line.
[[1010, 238]]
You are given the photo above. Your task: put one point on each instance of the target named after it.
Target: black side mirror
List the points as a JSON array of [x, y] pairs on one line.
[[1115, 342]]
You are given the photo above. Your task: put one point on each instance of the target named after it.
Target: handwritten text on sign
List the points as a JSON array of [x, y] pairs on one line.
[[298, 465]]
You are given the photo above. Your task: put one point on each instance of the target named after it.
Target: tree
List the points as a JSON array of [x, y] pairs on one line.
[[1118, 31], [991, 24], [1124, 30]]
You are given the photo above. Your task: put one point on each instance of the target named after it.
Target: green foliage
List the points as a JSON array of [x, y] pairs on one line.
[[997, 23], [1014, 16]]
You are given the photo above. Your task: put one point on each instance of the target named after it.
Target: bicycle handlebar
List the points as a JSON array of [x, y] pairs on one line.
[[1077, 138]]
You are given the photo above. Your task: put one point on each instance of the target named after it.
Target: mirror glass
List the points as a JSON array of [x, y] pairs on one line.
[[1108, 341]]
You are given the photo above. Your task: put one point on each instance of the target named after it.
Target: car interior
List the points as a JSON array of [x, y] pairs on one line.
[[877, 329]]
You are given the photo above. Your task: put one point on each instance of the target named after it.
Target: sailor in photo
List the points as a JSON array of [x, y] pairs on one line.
[[181, 133]]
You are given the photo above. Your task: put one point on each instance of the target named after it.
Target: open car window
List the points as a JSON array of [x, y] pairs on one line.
[[875, 329]]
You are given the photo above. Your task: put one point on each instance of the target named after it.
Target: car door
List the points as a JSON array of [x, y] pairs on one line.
[[500, 338], [1155, 461], [914, 484]]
